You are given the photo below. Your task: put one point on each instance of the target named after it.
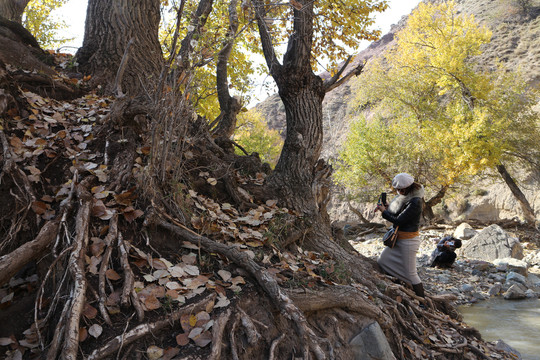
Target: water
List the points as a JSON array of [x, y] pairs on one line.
[[516, 322]]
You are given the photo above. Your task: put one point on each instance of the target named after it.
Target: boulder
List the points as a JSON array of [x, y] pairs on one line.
[[492, 243], [464, 232], [511, 264], [371, 344], [515, 292], [514, 277], [495, 289], [501, 345]]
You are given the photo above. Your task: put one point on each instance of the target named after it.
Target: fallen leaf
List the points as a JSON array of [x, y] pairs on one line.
[[202, 339], [154, 352], [212, 181], [189, 259], [177, 271], [184, 322], [6, 341], [222, 302], [39, 207], [89, 311], [182, 339], [191, 270], [112, 275], [173, 285], [170, 353], [152, 303], [83, 334], [131, 214], [225, 275], [95, 330]]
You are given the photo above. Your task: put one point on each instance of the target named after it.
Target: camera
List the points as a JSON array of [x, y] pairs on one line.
[[382, 199], [450, 243]]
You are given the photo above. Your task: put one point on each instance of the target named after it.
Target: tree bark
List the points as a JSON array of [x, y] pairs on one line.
[[528, 212], [302, 93], [230, 106], [14, 261], [13, 9], [110, 25], [436, 199]]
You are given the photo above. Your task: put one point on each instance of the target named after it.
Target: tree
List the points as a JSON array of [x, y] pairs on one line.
[[117, 30], [37, 19], [13, 9], [453, 119], [253, 135], [296, 174]]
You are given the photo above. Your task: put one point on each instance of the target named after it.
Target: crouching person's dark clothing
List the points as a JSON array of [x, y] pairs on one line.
[[445, 253]]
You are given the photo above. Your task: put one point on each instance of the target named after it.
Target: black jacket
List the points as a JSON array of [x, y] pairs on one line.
[[408, 219]]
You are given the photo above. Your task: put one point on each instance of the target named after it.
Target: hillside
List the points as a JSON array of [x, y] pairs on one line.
[[516, 42]]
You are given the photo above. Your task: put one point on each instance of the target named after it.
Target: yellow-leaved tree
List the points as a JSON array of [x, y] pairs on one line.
[[254, 135], [39, 20], [440, 114]]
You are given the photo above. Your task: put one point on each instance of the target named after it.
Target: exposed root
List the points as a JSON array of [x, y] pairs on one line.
[[251, 331], [265, 280], [14, 261], [217, 334], [232, 336], [144, 329], [274, 346], [109, 240], [77, 268]]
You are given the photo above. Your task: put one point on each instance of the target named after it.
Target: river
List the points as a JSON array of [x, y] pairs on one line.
[[516, 322]]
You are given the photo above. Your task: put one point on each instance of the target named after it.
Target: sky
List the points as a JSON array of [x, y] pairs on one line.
[[74, 14]]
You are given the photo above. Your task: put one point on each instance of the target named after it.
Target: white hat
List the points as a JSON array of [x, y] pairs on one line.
[[402, 181]]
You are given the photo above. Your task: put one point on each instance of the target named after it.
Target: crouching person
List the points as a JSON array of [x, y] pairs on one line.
[[445, 253]]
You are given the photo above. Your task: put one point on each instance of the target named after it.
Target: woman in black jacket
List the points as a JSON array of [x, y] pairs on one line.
[[404, 211]]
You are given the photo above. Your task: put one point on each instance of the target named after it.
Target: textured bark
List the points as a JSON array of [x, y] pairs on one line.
[[528, 212], [428, 206], [13, 9], [230, 106], [110, 25], [14, 261]]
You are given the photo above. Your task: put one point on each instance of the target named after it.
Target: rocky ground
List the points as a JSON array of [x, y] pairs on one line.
[[470, 279]]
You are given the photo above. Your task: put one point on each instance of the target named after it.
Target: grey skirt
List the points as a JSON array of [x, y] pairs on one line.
[[400, 261]]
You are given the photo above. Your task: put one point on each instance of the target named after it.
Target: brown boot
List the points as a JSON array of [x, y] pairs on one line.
[[419, 289]]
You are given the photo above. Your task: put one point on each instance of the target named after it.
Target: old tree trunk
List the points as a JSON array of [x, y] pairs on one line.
[[109, 28], [13, 9]]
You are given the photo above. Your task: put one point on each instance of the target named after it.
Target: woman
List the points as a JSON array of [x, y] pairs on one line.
[[405, 211]]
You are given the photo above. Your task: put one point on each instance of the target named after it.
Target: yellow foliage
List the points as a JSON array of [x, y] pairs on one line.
[[253, 135], [443, 117], [38, 20]]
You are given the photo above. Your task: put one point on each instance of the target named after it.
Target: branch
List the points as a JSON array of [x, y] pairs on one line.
[[335, 81], [266, 41]]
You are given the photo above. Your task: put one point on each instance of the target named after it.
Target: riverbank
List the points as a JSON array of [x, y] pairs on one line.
[[469, 279]]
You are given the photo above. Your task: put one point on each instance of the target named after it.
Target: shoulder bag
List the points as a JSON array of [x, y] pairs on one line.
[[390, 238]]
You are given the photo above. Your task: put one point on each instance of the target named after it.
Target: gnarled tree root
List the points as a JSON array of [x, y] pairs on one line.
[[280, 299], [144, 329]]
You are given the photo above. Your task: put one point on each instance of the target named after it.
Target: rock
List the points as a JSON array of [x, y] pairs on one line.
[[515, 277], [511, 264], [464, 232], [495, 289], [534, 280], [501, 345], [530, 294], [371, 344], [467, 288], [515, 293], [481, 265], [492, 243]]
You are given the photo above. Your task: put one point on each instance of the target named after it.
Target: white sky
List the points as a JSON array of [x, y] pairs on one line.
[[74, 14]]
